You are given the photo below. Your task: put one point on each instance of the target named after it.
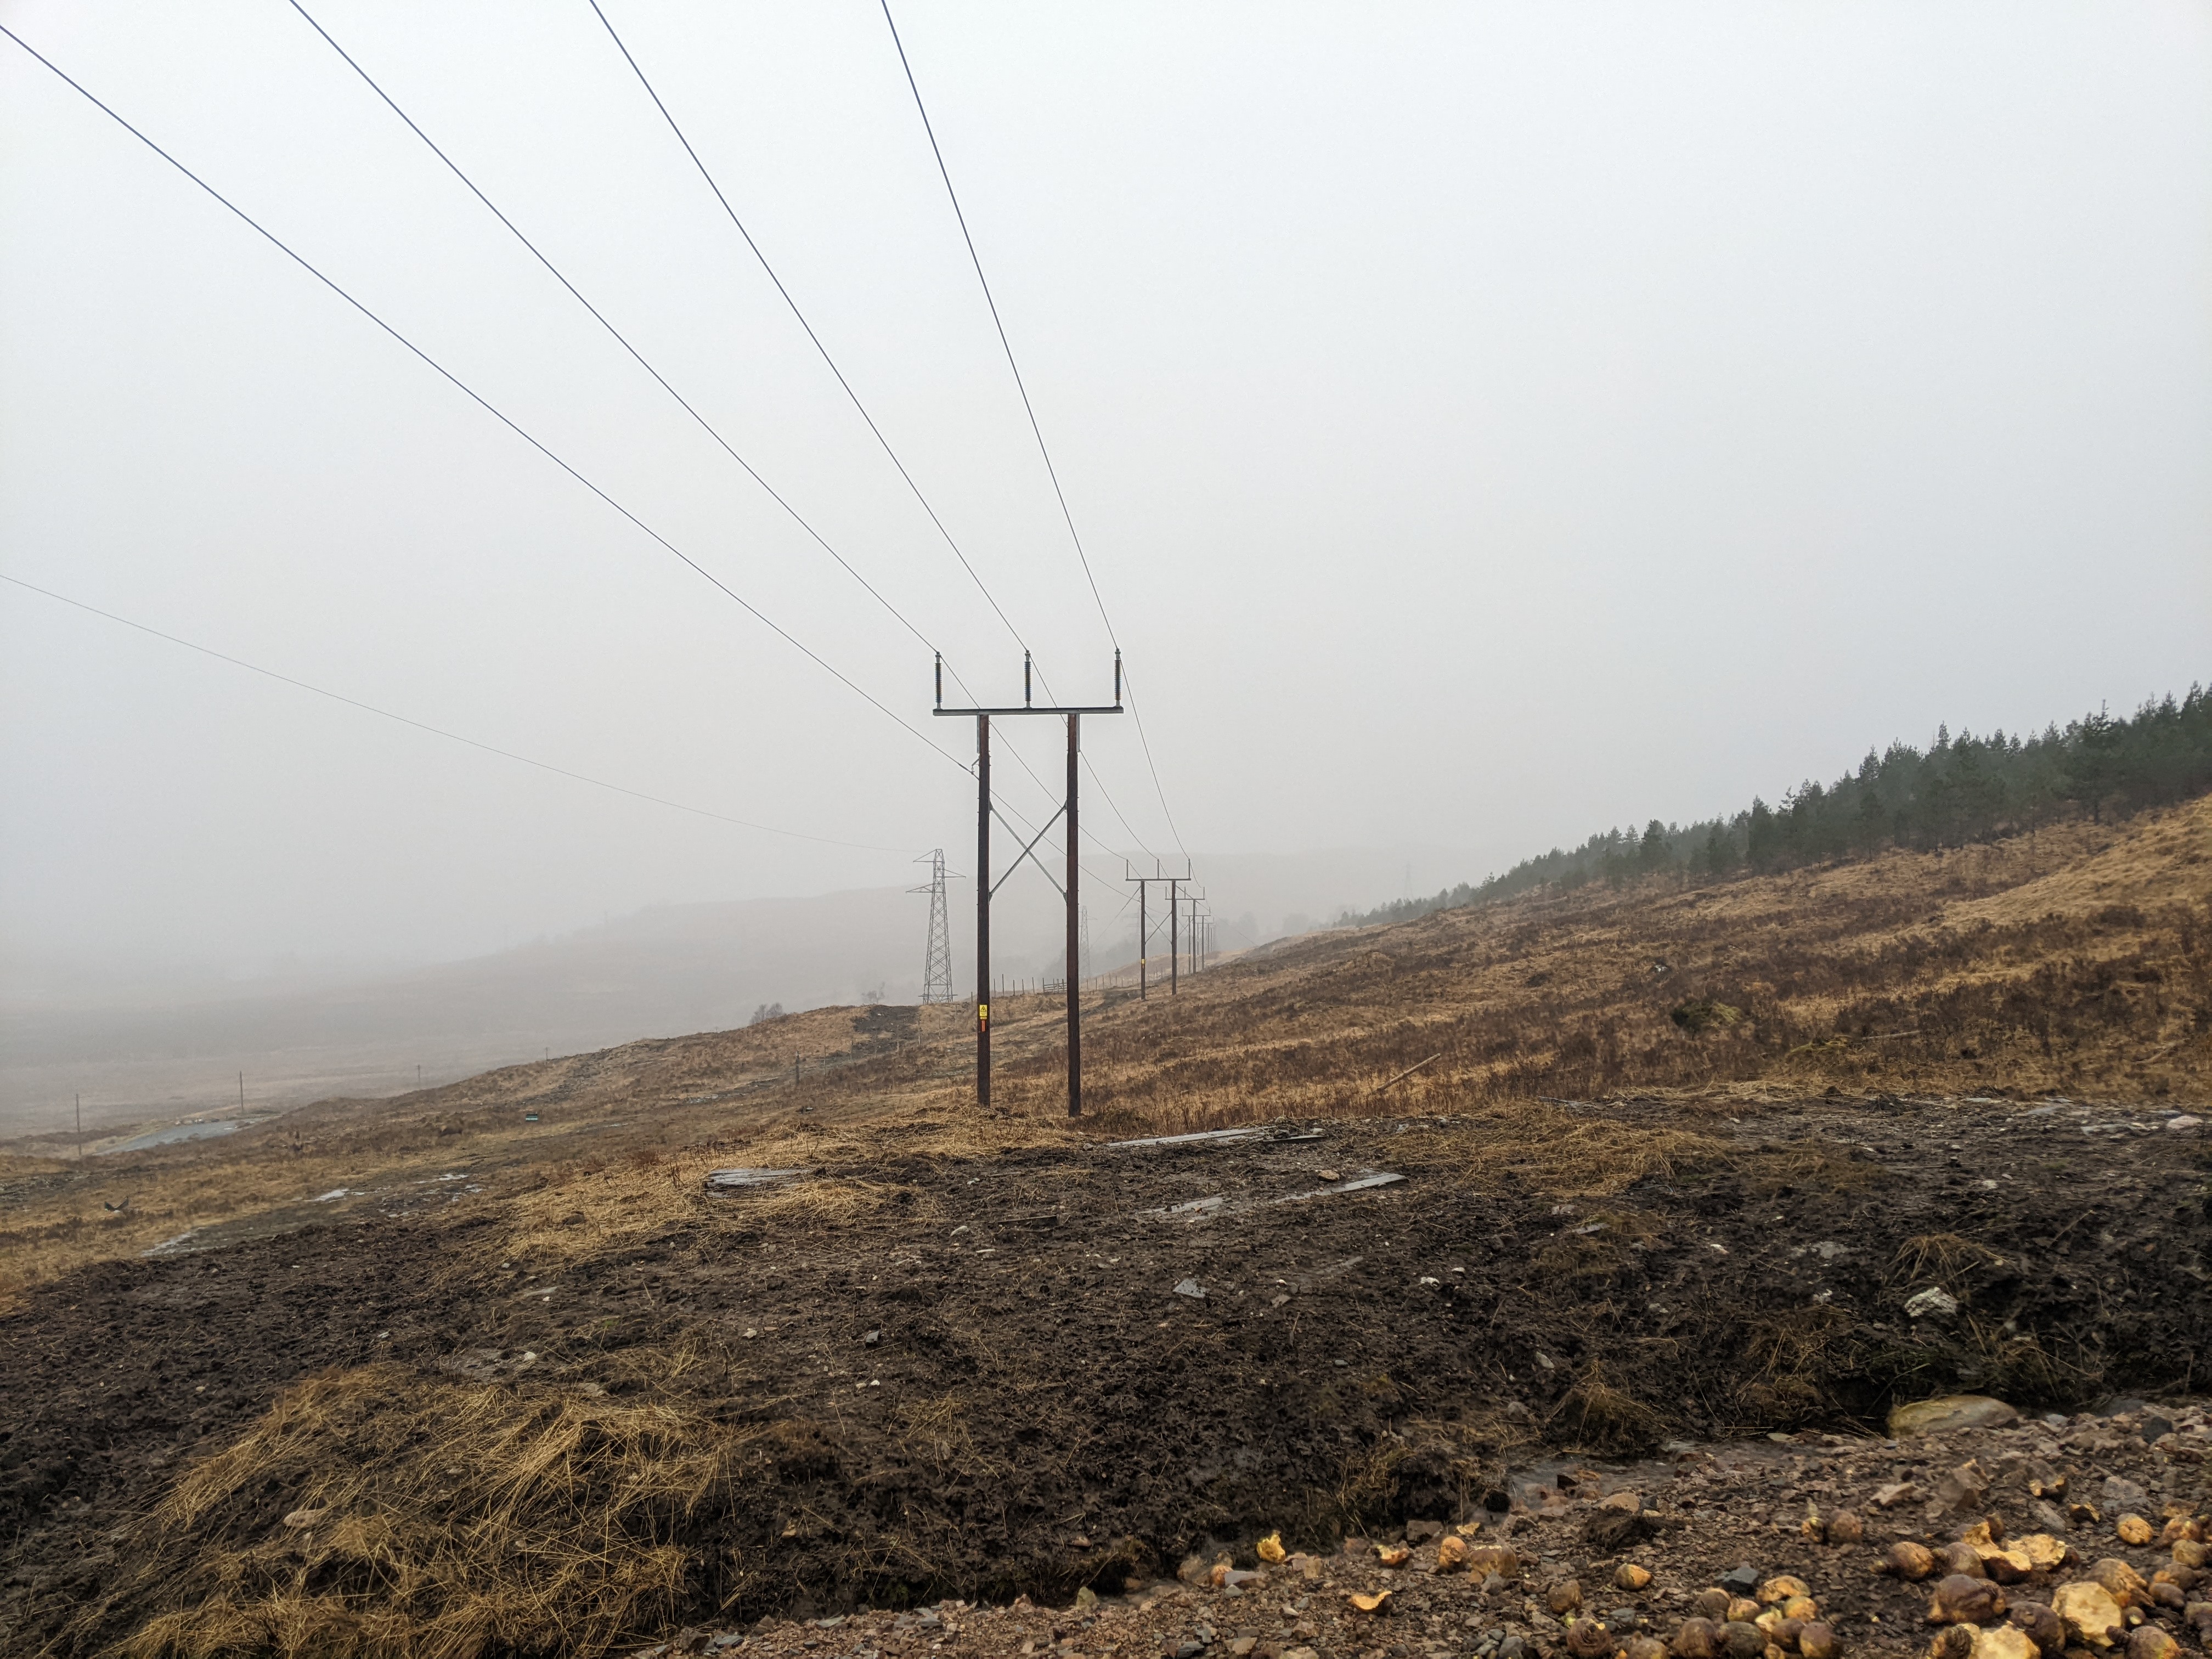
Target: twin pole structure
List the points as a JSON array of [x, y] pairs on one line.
[[1176, 899], [985, 889]]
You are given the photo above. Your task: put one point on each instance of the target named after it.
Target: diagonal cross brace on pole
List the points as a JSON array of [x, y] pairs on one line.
[[1030, 852]]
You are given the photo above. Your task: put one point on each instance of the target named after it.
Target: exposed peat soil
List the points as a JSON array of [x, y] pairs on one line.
[[1072, 1365]]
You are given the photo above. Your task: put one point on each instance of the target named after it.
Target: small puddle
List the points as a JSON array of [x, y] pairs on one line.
[[177, 1132]]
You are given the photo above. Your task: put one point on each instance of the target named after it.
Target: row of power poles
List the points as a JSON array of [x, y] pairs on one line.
[[1181, 892]]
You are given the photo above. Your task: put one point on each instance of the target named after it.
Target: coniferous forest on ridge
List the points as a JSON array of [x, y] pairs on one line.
[[1960, 789]]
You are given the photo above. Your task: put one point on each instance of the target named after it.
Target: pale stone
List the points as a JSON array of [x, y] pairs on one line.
[[1948, 1412], [2004, 1642], [2091, 1615]]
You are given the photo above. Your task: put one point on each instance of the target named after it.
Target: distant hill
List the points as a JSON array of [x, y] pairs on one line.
[[660, 972]]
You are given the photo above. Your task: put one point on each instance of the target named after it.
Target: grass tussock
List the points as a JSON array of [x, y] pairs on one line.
[[1594, 1416], [1558, 1152], [377, 1512], [1944, 1259]]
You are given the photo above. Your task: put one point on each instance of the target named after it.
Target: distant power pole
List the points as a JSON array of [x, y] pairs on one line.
[[937, 961], [1143, 928], [80, 1128], [984, 889]]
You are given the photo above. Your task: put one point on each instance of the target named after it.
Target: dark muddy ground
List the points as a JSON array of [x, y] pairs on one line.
[[1055, 1368]]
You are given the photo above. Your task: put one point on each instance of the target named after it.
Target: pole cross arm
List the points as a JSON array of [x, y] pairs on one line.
[[1030, 853], [1039, 709]]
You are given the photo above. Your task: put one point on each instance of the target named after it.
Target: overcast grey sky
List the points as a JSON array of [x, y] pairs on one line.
[[1487, 423]]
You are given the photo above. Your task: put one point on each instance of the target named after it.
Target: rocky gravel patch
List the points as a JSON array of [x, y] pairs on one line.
[[2052, 1537]]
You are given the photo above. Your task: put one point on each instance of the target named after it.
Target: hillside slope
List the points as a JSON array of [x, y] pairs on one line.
[[2078, 961]]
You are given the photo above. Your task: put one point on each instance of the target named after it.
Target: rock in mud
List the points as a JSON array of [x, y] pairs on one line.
[[1816, 1639], [1483, 1559], [1782, 1586], [2044, 1628], [1629, 1576], [2092, 1617], [2043, 1552], [1845, 1527], [2121, 1493], [1960, 1600], [1646, 1647], [1963, 1488], [1955, 1642], [1565, 1597], [1588, 1638], [1711, 1605], [2152, 1643], [2003, 1641], [1934, 1303], [2133, 1529], [1909, 1560], [1961, 1558], [1740, 1581], [1450, 1553], [1948, 1412], [1698, 1638], [2188, 1553], [1741, 1639], [2121, 1582]]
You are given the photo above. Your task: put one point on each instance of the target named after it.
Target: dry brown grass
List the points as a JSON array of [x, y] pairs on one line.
[[1556, 1151], [1944, 1259], [436, 1518], [2078, 961]]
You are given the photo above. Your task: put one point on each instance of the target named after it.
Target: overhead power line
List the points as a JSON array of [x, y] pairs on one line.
[[666, 115], [1028, 407], [437, 731], [689, 408], [821, 349], [620, 338], [483, 402], [274, 241]]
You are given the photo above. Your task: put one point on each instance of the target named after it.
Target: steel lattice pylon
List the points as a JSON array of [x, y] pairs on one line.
[[937, 964]]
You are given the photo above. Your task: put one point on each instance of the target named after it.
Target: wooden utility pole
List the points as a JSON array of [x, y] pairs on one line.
[[1069, 890], [1144, 927]]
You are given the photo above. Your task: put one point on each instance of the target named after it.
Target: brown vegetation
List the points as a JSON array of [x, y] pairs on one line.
[[2078, 961]]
